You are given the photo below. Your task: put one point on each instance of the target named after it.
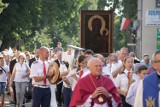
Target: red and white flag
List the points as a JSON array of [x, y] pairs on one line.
[[124, 24]]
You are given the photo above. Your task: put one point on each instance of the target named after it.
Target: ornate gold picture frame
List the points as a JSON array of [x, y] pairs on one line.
[[97, 30]]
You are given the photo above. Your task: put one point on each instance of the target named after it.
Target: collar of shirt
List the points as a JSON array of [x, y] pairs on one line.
[[36, 58], [86, 68], [119, 61], [60, 62], [41, 62], [109, 65], [95, 77], [158, 74], [126, 71]]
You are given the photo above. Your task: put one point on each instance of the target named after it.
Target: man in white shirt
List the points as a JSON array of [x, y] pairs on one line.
[[39, 74], [119, 66], [68, 57]]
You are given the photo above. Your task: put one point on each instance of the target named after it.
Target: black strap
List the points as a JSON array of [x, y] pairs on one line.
[[3, 69]]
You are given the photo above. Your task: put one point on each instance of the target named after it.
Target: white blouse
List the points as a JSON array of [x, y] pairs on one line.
[[122, 80], [130, 98], [3, 76], [20, 70]]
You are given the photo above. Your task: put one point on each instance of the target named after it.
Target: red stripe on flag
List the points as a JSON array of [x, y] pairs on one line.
[[125, 23]]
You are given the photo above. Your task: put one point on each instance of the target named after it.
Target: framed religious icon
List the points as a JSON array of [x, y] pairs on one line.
[[97, 30]]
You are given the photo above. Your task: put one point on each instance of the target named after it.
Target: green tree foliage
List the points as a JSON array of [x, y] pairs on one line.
[[122, 8], [22, 19], [2, 5], [49, 21]]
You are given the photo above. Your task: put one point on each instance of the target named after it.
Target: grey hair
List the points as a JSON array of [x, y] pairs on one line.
[[21, 55], [93, 59], [59, 53], [124, 48], [154, 55]]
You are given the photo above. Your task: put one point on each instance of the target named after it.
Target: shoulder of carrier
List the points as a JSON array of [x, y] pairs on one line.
[[35, 62]]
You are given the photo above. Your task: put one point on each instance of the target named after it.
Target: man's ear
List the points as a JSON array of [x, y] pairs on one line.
[[153, 64]]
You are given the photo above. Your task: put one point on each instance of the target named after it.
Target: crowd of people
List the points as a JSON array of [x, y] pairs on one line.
[[87, 80]]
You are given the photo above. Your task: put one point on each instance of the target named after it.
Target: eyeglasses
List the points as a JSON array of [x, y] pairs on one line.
[[156, 61]]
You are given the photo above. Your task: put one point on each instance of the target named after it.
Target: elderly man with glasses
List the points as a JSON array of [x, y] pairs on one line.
[[148, 92]]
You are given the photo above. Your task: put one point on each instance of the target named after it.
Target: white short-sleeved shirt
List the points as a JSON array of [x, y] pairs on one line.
[[106, 71], [37, 70], [63, 69], [116, 65], [139, 95], [130, 98], [122, 80], [68, 58], [108, 67], [3, 75], [20, 70]]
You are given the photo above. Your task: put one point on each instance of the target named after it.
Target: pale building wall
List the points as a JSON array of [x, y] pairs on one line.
[[149, 37]]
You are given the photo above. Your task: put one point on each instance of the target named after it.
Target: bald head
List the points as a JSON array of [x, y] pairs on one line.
[[123, 53], [44, 53]]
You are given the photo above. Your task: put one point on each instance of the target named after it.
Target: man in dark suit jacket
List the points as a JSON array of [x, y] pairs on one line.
[[12, 63], [36, 54], [59, 86]]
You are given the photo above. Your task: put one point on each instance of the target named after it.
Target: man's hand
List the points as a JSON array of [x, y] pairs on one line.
[[99, 91], [104, 91], [65, 79], [74, 76], [50, 74], [118, 70]]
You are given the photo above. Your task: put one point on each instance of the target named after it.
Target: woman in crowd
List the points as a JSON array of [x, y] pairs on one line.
[[78, 72], [20, 75], [125, 79], [74, 75]]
